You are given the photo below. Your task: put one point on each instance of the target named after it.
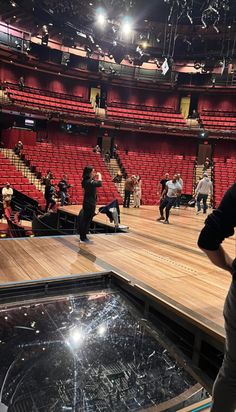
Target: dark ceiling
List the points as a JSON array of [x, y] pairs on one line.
[[173, 27]]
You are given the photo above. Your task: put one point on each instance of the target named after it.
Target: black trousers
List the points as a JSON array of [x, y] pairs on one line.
[[166, 204], [127, 198], [85, 218]]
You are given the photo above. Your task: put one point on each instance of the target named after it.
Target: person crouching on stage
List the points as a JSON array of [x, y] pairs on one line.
[[90, 181], [173, 188]]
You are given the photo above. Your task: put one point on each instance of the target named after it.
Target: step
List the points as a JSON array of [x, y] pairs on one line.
[[20, 166]]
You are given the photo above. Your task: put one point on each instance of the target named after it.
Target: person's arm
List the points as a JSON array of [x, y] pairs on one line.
[[219, 258], [164, 192], [98, 182], [220, 225], [198, 188]]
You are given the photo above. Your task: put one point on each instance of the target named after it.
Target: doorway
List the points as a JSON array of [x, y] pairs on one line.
[[204, 150]]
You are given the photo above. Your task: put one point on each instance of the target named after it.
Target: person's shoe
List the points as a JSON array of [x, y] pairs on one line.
[[177, 207], [160, 218], [204, 211], [166, 222], [85, 240], [198, 212]]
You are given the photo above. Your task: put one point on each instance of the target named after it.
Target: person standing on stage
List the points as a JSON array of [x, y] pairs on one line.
[[180, 181], [90, 181], [162, 184], [220, 225], [202, 190], [173, 188], [129, 188], [63, 188], [137, 191]]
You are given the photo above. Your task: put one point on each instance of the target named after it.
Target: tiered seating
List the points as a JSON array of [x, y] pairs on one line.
[[218, 120], [224, 176], [8, 173], [145, 114], [152, 167], [30, 97], [71, 160]]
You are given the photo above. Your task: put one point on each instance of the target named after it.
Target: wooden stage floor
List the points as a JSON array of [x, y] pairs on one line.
[[163, 258]]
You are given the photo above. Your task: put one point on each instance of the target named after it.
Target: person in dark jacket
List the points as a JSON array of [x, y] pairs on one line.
[[220, 225], [63, 189], [90, 181]]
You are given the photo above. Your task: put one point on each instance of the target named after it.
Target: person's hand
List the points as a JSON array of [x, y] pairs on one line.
[[99, 176]]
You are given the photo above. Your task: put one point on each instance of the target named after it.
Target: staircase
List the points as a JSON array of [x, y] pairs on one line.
[[199, 174], [114, 168], [21, 166]]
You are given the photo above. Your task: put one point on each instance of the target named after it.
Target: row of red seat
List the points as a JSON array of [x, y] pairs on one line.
[[224, 176], [39, 103], [178, 121], [62, 164], [152, 168]]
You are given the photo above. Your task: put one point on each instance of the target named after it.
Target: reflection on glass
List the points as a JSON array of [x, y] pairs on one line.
[[89, 352]]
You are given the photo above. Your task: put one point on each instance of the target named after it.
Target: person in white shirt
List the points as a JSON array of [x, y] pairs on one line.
[[7, 193], [180, 181], [137, 191], [173, 188], [203, 188]]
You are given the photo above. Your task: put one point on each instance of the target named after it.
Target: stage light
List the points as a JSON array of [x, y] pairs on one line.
[[80, 34], [112, 70], [45, 39], [126, 26], [18, 45], [13, 4], [88, 50], [91, 39], [76, 337], [102, 330], [101, 17]]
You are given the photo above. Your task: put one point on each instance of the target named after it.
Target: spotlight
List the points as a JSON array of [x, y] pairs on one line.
[[45, 39], [91, 39], [126, 26], [101, 330], [88, 51], [113, 71], [158, 64], [76, 337], [13, 4], [80, 34], [130, 60], [65, 58], [45, 29], [45, 35], [197, 65], [101, 17], [18, 45]]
